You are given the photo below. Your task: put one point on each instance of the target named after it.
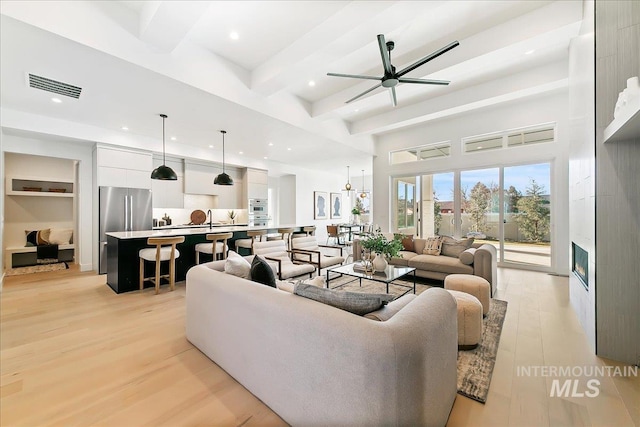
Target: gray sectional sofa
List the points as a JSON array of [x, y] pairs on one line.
[[316, 365]]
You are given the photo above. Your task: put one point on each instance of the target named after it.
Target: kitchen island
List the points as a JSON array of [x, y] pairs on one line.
[[123, 247]]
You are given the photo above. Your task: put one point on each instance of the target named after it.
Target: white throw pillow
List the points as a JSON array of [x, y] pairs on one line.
[[60, 236], [319, 281], [286, 286], [237, 265]]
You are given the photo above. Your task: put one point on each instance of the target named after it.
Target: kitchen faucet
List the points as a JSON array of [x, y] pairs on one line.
[[210, 219]]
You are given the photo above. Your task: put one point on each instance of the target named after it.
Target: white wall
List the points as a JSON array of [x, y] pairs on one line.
[[65, 149], [532, 111], [582, 192]]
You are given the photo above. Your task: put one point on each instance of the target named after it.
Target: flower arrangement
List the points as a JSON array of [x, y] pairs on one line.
[[232, 215], [381, 245]]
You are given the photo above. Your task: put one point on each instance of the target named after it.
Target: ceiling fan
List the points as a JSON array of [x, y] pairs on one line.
[[391, 78]]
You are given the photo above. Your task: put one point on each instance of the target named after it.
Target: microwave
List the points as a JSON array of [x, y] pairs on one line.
[[258, 206]]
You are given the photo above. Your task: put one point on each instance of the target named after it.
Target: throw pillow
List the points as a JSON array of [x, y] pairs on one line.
[[388, 311], [432, 245], [453, 248], [407, 244], [37, 237], [285, 285], [466, 257], [261, 272], [237, 265], [319, 281], [60, 236], [353, 302]]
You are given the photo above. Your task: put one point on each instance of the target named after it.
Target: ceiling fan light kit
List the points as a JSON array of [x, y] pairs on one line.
[[223, 178], [163, 172], [391, 78]]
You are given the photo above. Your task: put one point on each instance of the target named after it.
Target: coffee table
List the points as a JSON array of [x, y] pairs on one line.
[[391, 273]]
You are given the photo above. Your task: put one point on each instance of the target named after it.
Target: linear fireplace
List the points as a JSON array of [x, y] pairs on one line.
[[580, 264]]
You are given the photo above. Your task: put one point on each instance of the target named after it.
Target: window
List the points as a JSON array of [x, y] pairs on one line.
[[405, 204], [513, 138], [423, 152]]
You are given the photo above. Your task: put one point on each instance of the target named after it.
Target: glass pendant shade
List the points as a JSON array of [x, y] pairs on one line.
[[223, 178], [163, 172], [363, 194], [347, 186]]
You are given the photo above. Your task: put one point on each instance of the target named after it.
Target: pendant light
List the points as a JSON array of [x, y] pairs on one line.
[[223, 178], [163, 171], [347, 186], [363, 195]]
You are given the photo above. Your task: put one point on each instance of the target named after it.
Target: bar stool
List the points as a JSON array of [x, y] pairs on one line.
[[217, 246], [161, 252], [283, 234], [248, 243], [307, 231]]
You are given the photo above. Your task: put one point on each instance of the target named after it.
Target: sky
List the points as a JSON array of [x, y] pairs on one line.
[[518, 176]]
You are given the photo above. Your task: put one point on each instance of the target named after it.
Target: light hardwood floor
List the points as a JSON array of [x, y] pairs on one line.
[[74, 353]]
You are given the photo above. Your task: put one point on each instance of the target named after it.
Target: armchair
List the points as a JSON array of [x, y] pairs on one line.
[[276, 250], [307, 250]]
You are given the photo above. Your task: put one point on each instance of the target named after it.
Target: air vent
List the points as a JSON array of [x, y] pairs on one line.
[[54, 86]]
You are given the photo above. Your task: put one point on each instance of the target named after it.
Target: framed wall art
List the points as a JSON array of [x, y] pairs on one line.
[[320, 204]]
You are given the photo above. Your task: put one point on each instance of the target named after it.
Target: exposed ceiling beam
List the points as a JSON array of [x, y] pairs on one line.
[[164, 24]]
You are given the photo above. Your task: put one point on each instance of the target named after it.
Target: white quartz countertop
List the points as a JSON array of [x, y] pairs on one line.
[[189, 231], [215, 225]]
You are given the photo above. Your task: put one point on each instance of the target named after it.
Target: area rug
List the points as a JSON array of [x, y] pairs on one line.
[[36, 269], [475, 367]]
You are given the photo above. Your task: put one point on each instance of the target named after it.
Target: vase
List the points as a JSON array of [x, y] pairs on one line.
[[379, 263]]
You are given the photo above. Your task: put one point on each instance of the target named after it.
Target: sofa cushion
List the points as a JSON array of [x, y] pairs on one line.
[[466, 257], [354, 302], [388, 311], [453, 248], [407, 242], [37, 237], [432, 246], [440, 264], [261, 272], [237, 265]]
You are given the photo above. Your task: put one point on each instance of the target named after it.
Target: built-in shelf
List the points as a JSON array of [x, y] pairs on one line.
[[39, 186], [624, 128]]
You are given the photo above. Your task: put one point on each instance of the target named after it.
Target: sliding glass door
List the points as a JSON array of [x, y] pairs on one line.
[[508, 207]]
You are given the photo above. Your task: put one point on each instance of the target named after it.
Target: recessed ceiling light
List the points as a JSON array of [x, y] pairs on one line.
[[529, 52], [124, 128], [234, 36], [56, 100], [356, 110], [240, 152], [271, 144], [312, 83], [289, 149], [173, 138], [265, 157], [479, 147], [211, 146]]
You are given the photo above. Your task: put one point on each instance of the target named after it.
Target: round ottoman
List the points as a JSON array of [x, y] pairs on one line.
[[474, 285], [469, 320]]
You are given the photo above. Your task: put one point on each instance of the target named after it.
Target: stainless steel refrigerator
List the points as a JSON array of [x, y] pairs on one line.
[[122, 209]]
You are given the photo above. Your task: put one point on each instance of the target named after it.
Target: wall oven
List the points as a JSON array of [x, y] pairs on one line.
[[258, 207]]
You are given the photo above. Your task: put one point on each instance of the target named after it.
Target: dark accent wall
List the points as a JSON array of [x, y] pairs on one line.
[[617, 187]]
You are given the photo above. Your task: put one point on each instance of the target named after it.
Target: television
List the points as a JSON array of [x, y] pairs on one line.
[[580, 264]]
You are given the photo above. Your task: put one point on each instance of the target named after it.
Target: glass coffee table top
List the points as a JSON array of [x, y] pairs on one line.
[[387, 276]]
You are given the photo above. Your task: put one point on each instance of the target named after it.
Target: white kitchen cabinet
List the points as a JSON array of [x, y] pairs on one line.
[[168, 194], [123, 168], [256, 183], [198, 179]]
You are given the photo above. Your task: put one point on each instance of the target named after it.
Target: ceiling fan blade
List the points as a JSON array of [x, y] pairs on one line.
[[386, 63], [354, 76], [424, 81], [394, 100], [428, 58], [364, 93]]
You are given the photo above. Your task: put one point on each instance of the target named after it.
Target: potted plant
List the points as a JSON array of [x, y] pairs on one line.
[[383, 248], [232, 216]]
